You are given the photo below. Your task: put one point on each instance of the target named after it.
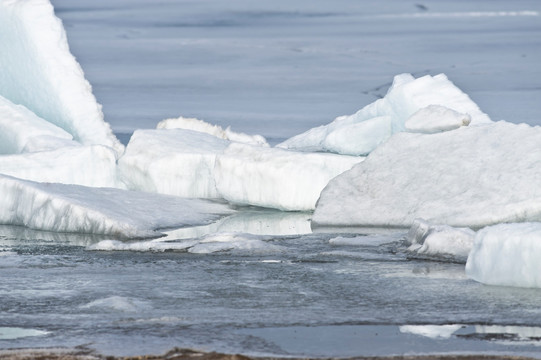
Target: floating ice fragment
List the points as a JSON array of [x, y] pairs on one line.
[[507, 255], [440, 240], [73, 208]]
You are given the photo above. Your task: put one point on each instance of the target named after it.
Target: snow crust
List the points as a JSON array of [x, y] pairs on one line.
[[440, 240], [23, 131], [507, 255], [81, 165], [362, 132], [120, 213], [469, 177], [276, 178], [215, 130], [39, 72], [175, 162]]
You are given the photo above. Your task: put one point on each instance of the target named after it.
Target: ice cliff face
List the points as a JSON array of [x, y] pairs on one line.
[[39, 72]]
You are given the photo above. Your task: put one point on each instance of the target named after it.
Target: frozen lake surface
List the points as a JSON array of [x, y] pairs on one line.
[[309, 294], [262, 282]]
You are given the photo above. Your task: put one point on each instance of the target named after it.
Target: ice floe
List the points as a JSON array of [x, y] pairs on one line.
[[469, 177], [440, 240], [507, 255], [276, 178], [362, 132], [176, 162], [39, 72], [119, 213]]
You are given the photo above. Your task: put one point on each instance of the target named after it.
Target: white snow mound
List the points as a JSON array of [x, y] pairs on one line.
[[276, 178], [469, 177], [175, 162], [39, 72], [120, 213], [440, 240], [387, 116], [23, 131], [214, 130], [507, 255]]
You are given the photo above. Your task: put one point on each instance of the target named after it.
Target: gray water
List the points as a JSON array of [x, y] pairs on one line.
[[304, 296]]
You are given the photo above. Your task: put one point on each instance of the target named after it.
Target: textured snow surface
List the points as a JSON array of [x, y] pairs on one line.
[[120, 213], [175, 162], [23, 131], [82, 165], [215, 130], [507, 255], [469, 177], [276, 178], [39, 72], [440, 240], [362, 132]]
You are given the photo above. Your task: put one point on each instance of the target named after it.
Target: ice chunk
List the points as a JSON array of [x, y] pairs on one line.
[[276, 178], [39, 72], [359, 138], [214, 130], [83, 165], [237, 243], [469, 177], [121, 213], [176, 162], [440, 240], [507, 255], [431, 331], [23, 131], [406, 96], [436, 118]]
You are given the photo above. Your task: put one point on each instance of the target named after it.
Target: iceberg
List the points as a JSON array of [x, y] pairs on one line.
[[469, 177], [362, 132], [276, 178], [39, 72], [214, 130], [507, 255], [23, 131], [81, 165], [175, 162], [440, 241], [115, 212]]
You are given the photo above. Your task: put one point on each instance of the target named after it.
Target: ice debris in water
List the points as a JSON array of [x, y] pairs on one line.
[[121, 213], [237, 243], [364, 131], [440, 240], [214, 130], [39, 72], [507, 255]]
